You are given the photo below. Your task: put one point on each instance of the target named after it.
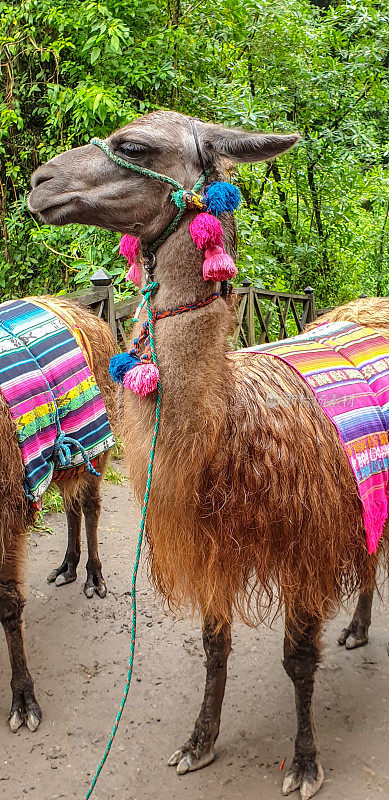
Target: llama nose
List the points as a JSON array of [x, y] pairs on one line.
[[41, 175]]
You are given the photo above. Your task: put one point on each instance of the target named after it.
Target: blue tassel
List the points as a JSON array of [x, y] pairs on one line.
[[120, 364], [222, 196]]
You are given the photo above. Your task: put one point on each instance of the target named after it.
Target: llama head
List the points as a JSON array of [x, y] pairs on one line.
[[85, 185]]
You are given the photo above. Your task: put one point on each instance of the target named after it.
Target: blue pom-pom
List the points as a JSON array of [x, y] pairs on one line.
[[222, 196], [120, 364]]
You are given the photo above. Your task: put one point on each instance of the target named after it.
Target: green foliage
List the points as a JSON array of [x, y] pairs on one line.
[[319, 216], [52, 504], [114, 477]]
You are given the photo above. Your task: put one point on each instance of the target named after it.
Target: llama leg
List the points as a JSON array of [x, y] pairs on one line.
[[67, 572], [357, 633], [301, 657], [91, 506], [198, 751], [24, 704]]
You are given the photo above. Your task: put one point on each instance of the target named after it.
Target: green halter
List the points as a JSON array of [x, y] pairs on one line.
[[182, 198]]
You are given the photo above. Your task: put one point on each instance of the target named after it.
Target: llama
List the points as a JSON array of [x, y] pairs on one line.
[[253, 506], [82, 496]]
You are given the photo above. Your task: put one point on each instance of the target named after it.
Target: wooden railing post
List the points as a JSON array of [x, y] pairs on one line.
[[102, 278], [311, 315], [111, 316], [250, 313]]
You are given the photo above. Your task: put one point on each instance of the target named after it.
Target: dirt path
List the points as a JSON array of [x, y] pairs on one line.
[[78, 651]]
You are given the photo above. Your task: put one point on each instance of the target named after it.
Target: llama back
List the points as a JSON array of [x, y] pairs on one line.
[[370, 311]]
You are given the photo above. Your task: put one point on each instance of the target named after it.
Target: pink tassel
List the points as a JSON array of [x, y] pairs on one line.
[[129, 247], [142, 380], [218, 265], [206, 230], [133, 274], [207, 233]]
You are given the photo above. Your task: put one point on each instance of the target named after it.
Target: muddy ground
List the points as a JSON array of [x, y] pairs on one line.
[[78, 650]]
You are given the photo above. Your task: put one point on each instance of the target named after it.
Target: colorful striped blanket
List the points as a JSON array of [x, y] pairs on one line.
[[347, 368], [52, 395]]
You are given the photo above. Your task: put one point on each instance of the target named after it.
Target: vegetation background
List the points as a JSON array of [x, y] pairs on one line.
[[71, 70]]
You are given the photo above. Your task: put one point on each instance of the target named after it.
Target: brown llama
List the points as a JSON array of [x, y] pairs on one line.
[[82, 496], [253, 506]]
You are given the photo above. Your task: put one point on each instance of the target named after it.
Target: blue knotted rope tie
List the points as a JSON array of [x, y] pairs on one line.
[[63, 453]]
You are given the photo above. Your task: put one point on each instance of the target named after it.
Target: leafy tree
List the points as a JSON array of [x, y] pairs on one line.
[[319, 216]]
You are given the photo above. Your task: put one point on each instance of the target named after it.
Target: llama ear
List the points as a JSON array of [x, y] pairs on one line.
[[246, 147]]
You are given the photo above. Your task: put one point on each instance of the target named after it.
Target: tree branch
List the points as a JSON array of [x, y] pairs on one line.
[[317, 214], [282, 196], [381, 254]]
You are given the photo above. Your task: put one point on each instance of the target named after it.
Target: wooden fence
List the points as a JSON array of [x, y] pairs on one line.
[[100, 299], [262, 315]]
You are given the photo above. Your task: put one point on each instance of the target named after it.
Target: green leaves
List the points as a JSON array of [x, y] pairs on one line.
[[95, 54], [83, 69]]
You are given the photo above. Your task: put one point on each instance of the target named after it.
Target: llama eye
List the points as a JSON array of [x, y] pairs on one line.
[[132, 150]]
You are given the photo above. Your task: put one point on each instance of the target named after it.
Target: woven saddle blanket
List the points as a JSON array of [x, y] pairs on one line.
[[60, 417], [347, 368]]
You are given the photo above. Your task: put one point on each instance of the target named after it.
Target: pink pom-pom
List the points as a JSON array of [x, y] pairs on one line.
[[134, 275], [142, 379], [129, 247], [206, 231], [218, 265]]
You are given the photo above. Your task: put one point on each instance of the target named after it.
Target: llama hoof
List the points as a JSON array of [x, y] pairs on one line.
[[66, 577], [291, 781], [33, 721], [25, 709], [95, 583], [186, 760], [354, 640], [356, 635], [308, 779], [311, 784], [15, 721], [66, 573]]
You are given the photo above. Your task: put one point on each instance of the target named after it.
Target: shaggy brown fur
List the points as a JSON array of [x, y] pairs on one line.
[[17, 513], [266, 492]]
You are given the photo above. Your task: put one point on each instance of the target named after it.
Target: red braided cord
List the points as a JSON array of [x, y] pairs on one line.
[[172, 312]]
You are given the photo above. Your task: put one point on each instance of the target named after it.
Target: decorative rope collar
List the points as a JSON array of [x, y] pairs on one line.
[[172, 312], [135, 370]]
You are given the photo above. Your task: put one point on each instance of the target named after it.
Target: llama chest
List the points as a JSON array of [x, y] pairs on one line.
[[52, 395], [347, 368]]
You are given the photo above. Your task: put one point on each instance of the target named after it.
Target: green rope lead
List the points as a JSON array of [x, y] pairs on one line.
[[135, 167], [152, 288]]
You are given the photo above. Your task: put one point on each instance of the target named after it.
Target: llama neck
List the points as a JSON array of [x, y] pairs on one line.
[[191, 347], [195, 374]]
